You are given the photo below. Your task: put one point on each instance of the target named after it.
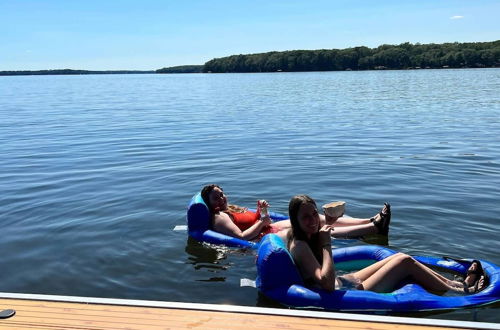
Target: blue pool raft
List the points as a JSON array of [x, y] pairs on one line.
[[279, 279], [198, 221]]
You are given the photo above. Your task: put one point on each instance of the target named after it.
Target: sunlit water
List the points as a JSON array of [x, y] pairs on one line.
[[96, 171]]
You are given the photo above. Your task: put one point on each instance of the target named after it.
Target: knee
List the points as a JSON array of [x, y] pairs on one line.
[[404, 259], [399, 256]]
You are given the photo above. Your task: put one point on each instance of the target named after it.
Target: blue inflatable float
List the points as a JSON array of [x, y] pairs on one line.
[[198, 222], [279, 279]]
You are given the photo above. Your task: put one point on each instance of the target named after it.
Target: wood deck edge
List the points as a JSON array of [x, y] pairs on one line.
[[254, 310]]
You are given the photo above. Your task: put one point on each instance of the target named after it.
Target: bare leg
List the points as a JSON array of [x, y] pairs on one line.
[[402, 266], [283, 227], [344, 221], [366, 272], [354, 231], [352, 227], [347, 231], [444, 279], [348, 221], [283, 224], [283, 234]]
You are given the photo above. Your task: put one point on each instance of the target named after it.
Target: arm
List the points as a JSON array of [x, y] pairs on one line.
[[309, 267], [224, 225]]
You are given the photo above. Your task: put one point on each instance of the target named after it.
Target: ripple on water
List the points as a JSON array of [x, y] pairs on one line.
[[96, 171]]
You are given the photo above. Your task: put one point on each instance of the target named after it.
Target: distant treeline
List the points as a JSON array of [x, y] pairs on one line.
[[182, 69], [68, 72], [403, 56]]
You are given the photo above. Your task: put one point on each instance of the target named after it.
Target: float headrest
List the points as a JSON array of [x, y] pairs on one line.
[[275, 266], [198, 216]]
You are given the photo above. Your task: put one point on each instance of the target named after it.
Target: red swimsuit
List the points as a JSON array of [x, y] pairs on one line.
[[246, 220]]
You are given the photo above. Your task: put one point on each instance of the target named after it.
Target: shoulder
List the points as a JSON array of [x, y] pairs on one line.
[[298, 244], [299, 248], [222, 217], [221, 222]]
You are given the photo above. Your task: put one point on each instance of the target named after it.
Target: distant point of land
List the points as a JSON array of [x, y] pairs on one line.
[[68, 72], [182, 69]]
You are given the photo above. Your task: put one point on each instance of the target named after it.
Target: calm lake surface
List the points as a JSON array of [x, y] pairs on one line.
[[97, 170]]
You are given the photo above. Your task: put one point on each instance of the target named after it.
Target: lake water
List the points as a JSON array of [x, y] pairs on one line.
[[97, 170]]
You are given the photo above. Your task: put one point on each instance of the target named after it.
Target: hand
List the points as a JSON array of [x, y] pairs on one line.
[[325, 234], [330, 220], [266, 220], [262, 203]]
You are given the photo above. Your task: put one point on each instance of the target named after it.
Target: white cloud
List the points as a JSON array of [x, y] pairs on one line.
[[456, 17]]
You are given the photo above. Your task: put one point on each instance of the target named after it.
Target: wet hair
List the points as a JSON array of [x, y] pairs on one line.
[[205, 194], [297, 233]]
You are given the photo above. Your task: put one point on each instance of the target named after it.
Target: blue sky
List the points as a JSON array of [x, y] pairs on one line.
[[150, 34]]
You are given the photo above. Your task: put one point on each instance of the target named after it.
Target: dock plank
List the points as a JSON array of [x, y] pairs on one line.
[[36, 314]]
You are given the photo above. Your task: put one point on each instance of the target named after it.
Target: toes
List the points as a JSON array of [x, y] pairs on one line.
[[477, 286]]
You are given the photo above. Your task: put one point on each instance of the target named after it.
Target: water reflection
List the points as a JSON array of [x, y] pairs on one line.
[[204, 256], [211, 259], [263, 301], [376, 240]]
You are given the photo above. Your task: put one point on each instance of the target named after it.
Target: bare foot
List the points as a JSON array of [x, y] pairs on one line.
[[474, 280]]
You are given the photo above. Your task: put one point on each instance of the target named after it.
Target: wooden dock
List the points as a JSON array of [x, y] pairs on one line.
[[63, 312]]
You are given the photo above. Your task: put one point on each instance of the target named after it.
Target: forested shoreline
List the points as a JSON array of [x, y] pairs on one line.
[[384, 57], [403, 56]]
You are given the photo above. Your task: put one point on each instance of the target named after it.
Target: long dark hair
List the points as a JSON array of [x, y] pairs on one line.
[[205, 194], [297, 233]]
